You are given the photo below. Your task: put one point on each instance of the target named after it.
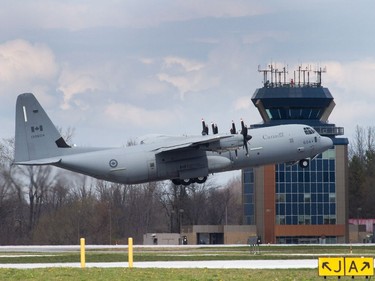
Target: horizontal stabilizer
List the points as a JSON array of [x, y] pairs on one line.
[[45, 161]]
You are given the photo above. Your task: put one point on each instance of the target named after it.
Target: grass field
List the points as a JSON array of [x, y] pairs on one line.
[[114, 274], [177, 254]]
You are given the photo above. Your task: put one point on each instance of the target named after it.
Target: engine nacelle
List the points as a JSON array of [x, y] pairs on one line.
[[232, 142], [218, 163]]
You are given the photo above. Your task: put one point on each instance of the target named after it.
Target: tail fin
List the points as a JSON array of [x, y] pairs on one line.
[[36, 136]]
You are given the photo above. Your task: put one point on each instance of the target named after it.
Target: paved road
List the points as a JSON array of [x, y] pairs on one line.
[[249, 264]]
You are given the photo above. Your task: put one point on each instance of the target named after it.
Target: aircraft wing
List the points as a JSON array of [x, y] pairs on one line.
[[217, 143]]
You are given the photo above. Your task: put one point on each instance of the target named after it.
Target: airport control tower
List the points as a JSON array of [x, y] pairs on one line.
[[287, 203]]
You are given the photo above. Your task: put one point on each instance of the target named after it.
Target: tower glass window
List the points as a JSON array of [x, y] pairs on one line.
[[248, 196], [310, 196]]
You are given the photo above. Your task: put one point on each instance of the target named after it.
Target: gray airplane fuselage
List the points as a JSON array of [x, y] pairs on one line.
[[141, 163], [183, 159]]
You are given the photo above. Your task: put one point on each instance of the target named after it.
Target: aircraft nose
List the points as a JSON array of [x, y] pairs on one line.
[[326, 142]]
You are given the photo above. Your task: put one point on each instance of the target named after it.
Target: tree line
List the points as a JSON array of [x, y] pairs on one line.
[[47, 205], [361, 176]]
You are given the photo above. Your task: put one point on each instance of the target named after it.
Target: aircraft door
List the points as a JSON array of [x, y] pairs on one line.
[[312, 147], [151, 164]]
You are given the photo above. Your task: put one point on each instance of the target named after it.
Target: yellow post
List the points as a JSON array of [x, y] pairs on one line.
[[83, 256], [130, 252]]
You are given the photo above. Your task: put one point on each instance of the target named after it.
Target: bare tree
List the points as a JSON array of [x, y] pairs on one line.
[[173, 199], [195, 206], [362, 173], [12, 202]]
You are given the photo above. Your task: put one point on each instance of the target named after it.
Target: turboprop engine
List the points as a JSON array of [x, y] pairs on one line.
[[232, 142]]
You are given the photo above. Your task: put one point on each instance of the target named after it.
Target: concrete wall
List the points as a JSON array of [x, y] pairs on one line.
[[161, 239], [233, 234], [238, 234]]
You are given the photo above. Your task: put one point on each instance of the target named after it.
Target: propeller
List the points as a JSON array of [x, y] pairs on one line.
[[215, 129], [246, 137], [204, 128], [233, 132], [233, 129]]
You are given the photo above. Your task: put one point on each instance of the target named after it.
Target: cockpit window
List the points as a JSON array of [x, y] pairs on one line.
[[309, 131]]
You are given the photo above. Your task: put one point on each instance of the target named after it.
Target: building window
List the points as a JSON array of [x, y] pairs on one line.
[[332, 198], [280, 197], [249, 196], [307, 196], [306, 239], [280, 220]]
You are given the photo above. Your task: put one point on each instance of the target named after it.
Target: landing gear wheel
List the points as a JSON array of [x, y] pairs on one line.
[[176, 181], [201, 179], [304, 163], [186, 181]]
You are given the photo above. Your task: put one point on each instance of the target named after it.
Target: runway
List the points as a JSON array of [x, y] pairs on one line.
[[244, 264]]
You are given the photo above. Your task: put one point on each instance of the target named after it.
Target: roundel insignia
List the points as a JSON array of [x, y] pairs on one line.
[[113, 163]]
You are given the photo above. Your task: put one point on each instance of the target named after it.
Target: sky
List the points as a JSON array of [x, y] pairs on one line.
[[116, 70]]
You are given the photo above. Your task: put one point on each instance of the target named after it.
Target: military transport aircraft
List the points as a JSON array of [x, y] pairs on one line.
[[182, 159]]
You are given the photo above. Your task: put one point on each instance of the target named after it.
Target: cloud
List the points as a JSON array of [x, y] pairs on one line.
[[125, 80], [78, 15], [21, 60], [126, 114], [186, 75], [150, 86], [351, 85], [242, 103], [73, 81], [185, 64], [55, 14], [353, 78], [24, 67]]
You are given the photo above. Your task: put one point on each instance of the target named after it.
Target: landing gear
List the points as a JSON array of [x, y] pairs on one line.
[[177, 181], [200, 179], [186, 182], [182, 181], [304, 163]]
